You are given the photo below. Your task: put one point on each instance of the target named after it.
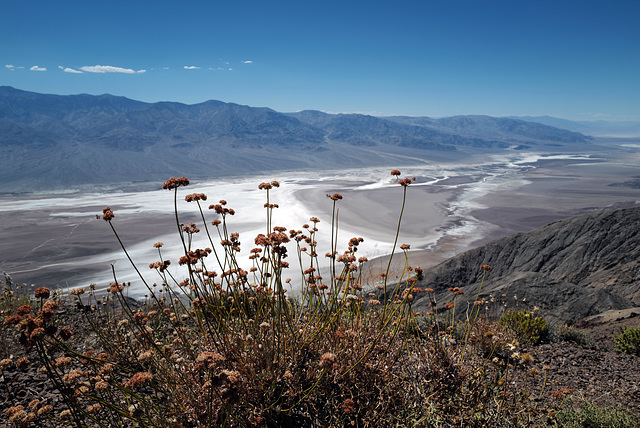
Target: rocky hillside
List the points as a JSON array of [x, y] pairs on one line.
[[572, 269]]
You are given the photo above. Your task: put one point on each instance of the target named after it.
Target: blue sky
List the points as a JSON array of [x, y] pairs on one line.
[[573, 59]]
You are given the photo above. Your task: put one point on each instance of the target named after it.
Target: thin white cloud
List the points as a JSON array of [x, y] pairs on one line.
[[247, 62], [9, 66], [36, 68], [69, 70], [109, 69], [191, 67]]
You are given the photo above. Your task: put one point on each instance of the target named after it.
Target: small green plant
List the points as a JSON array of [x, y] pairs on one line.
[[592, 416], [526, 325], [628, 341], [567, 333]]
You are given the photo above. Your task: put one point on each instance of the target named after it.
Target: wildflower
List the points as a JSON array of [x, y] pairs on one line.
[[17, 415], [22, 363], [5, 364], [527, 359], [65, 414], [405, 182], [24, 309], [158, 245], [94, 408], [44, 410], [327, 359], [37, 334], [42, 293], [115, 287], [138, 380], [49, 308], [107, 214], [174, 183], [195, 197], [13, 319], [405, 247], [71, 377], [145, 356], [231, 375], [395, 172], [485, 268], [62, 361], [335, 196]]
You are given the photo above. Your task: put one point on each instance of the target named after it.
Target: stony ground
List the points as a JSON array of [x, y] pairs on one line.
[[592, 372]]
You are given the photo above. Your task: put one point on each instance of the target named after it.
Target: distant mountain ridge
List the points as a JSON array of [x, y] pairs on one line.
[[50, 141], [596, 128], [572, 269]]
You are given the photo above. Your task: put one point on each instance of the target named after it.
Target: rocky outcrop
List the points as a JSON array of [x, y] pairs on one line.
[[570, 269]]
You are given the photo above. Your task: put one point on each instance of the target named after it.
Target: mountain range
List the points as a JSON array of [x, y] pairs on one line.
[[65, 141]]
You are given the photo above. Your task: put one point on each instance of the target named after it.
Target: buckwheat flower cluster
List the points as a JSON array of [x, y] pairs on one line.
[[174, 183]]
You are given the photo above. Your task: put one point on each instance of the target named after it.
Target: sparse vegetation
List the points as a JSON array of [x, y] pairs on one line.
[[588, 415], [567, 333], [628, 341], [526, 325], [236, 346]]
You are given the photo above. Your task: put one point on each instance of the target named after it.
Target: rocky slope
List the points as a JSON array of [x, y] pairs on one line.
[[572, 269]]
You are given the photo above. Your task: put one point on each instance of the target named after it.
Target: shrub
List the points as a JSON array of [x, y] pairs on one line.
[[526, 325], [588, 415], [628, 341], [567, 333]]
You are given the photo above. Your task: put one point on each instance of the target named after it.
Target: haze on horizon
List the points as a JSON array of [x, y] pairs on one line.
[[571, 59]]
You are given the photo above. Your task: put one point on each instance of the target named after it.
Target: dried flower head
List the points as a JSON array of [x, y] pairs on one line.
[[138, 380], [195, 197], [42, 293], [328, 359], [174, 183], [107, 214]]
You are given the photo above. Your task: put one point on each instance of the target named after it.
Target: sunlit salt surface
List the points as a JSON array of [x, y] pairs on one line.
[[499, 173]]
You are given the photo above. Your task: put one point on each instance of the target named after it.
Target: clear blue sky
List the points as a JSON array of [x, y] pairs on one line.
[[571, 59]]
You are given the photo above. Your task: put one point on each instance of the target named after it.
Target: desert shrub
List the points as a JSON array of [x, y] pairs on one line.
[[628, 341], [528, 327], [567, 333], [237, 347], [588, 415]]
